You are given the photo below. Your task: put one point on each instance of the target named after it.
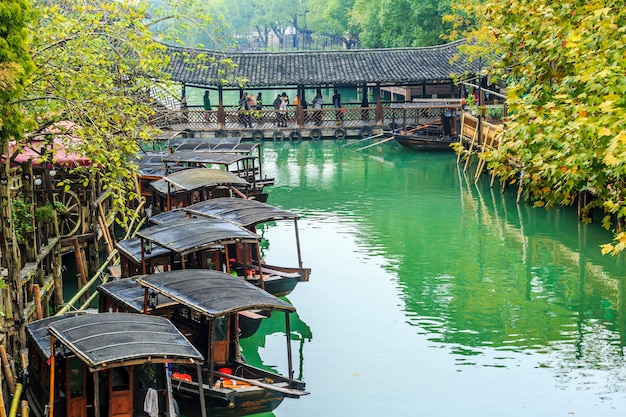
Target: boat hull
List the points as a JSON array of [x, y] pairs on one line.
[[240, 403], [426, 143]]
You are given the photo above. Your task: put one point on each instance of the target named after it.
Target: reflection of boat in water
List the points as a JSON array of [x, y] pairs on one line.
[[204, 306], [103, 365], [300, 332]]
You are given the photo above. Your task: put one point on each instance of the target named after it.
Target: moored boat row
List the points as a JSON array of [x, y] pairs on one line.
[[197, 265]]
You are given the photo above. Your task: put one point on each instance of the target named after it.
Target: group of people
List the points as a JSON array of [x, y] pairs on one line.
[[248, 103], [280, 103]]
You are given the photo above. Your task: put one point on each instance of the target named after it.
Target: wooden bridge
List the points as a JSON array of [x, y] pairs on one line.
[[302, 124]]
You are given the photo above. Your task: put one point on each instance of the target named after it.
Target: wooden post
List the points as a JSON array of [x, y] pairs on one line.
[[221, 114], [288, 332], [379, 107], [28, 192], [52, 386], [79, 264], [37, 297]]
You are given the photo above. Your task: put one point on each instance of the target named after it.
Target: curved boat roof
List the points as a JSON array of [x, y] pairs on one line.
[[206, 157], [131, 248], [240, 211], [196, 178], [195, 233], [209, 292], [107, 339], [213, 145]]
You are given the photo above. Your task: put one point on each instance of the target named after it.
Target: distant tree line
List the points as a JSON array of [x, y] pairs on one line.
[[322, 24]]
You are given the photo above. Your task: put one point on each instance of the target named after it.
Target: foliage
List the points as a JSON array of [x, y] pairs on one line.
[[331, 18], [22, 218], [95, 63], [15, 66], [565, 68], [45, 213], [400, 23]]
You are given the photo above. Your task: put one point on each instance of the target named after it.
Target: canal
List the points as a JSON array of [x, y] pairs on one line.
[[431, 296]]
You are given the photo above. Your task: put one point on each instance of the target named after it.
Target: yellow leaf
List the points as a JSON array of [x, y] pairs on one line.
[[574, 37], [605, 131]]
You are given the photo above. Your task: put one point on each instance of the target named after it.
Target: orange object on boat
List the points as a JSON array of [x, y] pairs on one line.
[[183, 377]]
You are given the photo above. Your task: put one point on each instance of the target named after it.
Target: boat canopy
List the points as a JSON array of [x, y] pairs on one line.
[[214, 145], [131, 248], [195, 233], [196, 178], [105, 339], [209, 292], [240, 211], [206, 157]]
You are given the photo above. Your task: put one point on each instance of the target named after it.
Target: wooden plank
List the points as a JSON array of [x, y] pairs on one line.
[[377, 143], [289, 391]]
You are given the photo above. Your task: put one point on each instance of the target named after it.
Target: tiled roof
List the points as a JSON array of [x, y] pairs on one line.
[[403, 66]]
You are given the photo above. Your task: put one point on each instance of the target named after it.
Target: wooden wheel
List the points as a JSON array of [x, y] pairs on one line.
[[69, 215]]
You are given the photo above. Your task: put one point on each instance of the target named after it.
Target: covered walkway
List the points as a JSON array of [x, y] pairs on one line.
[[426, 74]]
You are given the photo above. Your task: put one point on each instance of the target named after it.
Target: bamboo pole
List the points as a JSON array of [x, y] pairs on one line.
[[25, 408], [80, 293], [3, 412], [377, 143], [16, 401], [8, 372]]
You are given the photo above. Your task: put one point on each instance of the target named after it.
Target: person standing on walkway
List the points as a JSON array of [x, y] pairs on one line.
[[283, 108], [207, 105], [365, 113], [276, 105], [337, 105], [318, 103], [244, 111]]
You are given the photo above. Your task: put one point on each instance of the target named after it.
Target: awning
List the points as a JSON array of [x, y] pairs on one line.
[[105, 339], [191, 234], [196, 178]]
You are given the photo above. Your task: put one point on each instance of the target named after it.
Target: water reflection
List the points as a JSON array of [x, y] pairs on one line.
[[484, 286]]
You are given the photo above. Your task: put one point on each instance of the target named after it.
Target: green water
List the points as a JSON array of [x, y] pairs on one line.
[[431, 296]]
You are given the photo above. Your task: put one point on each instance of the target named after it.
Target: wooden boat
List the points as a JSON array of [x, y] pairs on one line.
[[204, 306], [189, 186], [434, 135], [194, 242], [104, 365], [425, 142], [245, 165], [240, 159], [248, 214]]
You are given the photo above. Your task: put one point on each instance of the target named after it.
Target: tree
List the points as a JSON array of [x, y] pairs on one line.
[[401, 23], [96, 62], [564, 64], [332, 18], [16, 68]]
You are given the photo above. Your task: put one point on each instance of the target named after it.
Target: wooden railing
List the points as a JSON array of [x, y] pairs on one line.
[[478, 136]]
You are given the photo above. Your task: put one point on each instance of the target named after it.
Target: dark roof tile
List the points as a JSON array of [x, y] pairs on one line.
[[402, 66]]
